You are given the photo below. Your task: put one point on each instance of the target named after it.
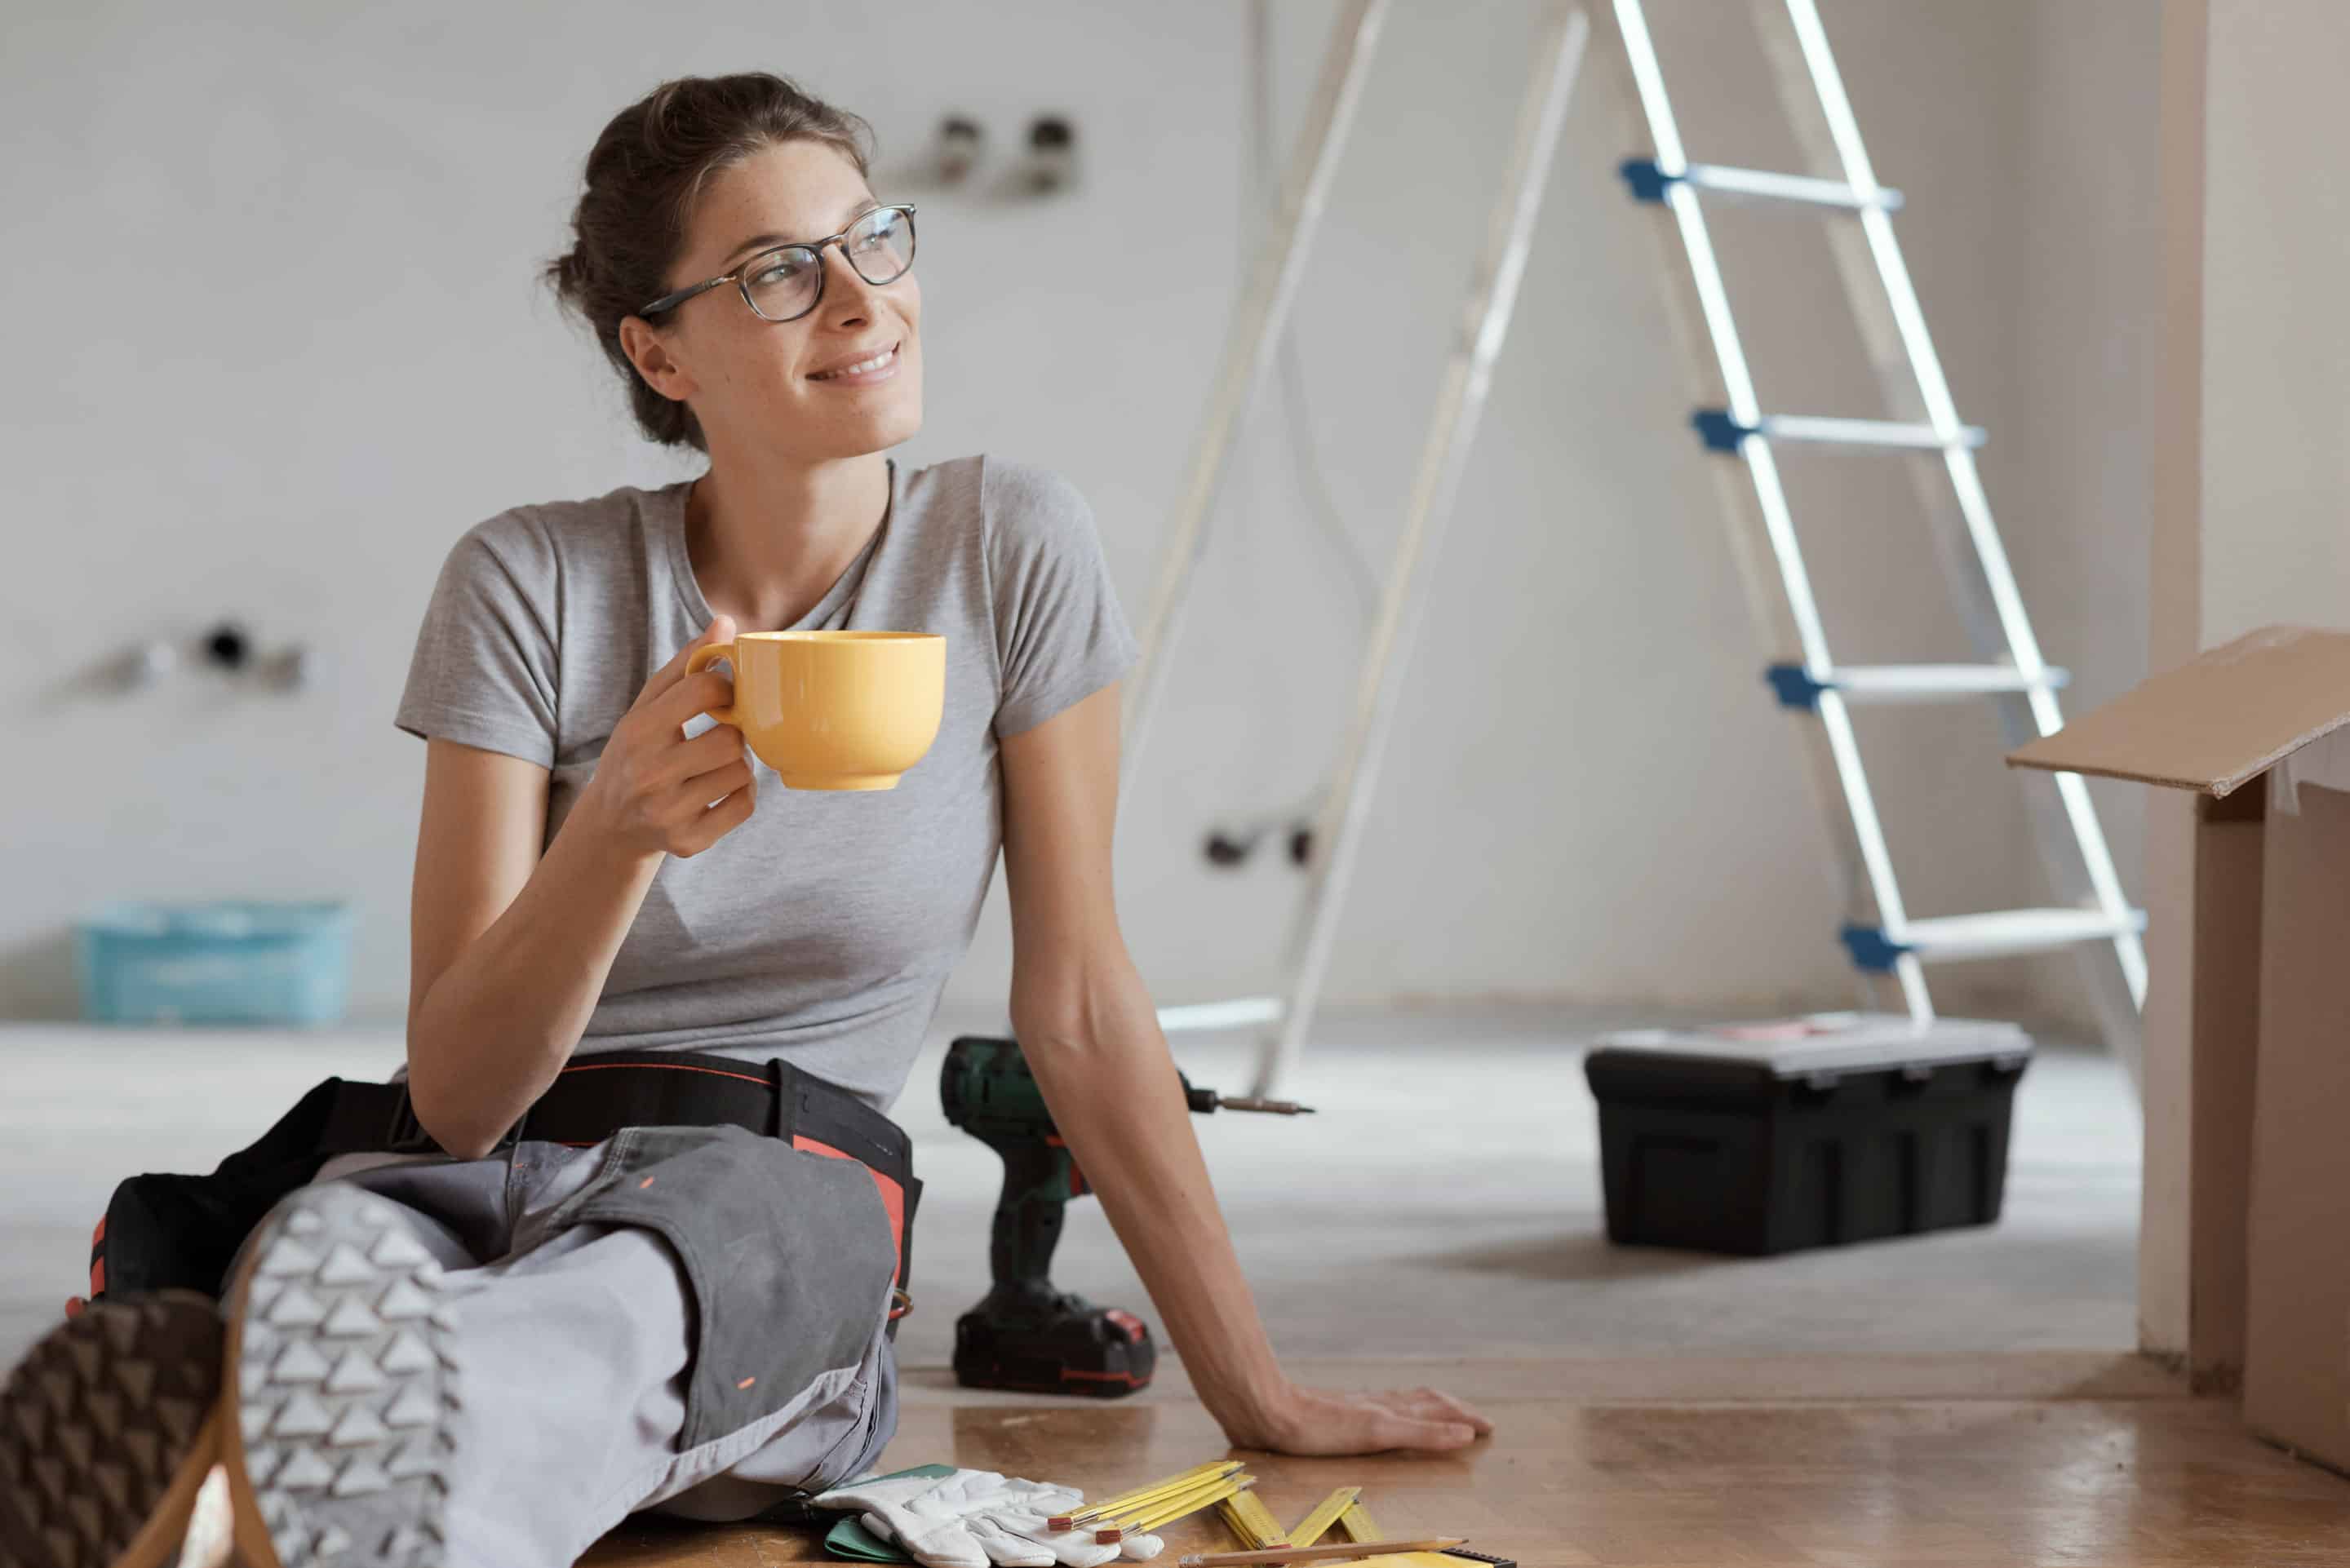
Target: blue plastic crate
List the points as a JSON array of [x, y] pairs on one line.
[[227, 963]]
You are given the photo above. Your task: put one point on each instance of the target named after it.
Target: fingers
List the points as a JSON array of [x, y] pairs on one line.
[[705, 753], [1360, 1424], [717, 822], [1432, 1404], [1421, 1419], [1393, 1431], [705, 790], [695, 694], [720, 629]]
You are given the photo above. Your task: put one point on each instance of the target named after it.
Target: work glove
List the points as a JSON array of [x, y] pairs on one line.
[[1015, 1520], [972, 1519], [1006, 1530]]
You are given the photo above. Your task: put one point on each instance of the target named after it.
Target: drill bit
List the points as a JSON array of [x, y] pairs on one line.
[[1270, 1107], [1250, 1102]]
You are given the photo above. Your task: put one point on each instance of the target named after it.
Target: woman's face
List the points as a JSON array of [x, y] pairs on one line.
[[751, 381]]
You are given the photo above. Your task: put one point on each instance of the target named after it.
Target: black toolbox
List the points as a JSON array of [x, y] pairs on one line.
[[1806, 1132]]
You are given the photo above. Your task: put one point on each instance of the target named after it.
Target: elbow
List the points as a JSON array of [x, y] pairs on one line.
[[461, 1136], [450, 1117], [1057, 1023], [463, 1147], [1039, 1043], [1105, 1009]]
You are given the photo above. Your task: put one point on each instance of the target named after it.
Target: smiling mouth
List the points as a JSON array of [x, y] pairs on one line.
[[866, 370]]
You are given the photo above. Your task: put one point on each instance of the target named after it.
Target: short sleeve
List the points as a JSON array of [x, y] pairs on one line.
[[484, 673], [1060, 635]]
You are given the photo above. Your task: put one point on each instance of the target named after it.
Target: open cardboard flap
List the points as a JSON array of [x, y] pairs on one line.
[[2213, 724], [2258, 1000]]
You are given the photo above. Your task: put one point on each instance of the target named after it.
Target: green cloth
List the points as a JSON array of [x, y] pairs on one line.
[[849, 1538]]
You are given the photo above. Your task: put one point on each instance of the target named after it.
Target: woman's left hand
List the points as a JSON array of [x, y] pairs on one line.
[[1310, 1421]]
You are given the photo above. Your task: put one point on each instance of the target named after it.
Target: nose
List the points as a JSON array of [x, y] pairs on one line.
[[848, 297]]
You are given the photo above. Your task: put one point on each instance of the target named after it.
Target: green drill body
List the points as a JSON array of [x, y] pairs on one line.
[[1025, 1334]]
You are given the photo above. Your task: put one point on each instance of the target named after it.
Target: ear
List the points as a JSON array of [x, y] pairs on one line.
[[651, 354]]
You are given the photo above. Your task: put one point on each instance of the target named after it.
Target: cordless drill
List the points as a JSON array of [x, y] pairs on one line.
[[1025, 1334]]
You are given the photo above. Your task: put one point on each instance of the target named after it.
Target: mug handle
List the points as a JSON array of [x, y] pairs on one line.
[[701, 659]]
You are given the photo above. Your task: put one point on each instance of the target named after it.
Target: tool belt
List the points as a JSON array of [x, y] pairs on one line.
[[172, 1231]]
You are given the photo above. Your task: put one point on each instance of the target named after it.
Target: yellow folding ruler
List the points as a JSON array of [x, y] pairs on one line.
[[1355, 1521], [1247, 1517], [1154, 1516]]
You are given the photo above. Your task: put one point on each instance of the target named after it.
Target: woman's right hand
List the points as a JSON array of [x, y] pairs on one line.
[[653, 790]]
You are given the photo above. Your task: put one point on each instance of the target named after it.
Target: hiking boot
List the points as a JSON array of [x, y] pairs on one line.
[[108, 1430], [344, 1395]]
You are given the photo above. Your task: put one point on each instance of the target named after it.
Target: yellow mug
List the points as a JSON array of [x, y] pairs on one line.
[[834, 709]]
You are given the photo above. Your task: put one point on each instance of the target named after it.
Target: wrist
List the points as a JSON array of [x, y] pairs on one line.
[[1261, 1415], [593, 835]]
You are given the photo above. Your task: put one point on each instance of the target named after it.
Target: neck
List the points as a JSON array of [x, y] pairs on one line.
[[768, 535]]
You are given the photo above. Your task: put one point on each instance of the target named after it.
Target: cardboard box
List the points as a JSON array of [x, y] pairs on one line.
[[2268, 1026]]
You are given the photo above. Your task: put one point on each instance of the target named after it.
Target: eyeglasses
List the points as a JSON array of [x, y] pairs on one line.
[[787, 282]]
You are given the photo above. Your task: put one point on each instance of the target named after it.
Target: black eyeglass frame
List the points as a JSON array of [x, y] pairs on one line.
[[815, 248]]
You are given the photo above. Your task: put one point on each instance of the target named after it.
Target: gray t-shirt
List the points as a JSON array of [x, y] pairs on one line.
[[821, 931]]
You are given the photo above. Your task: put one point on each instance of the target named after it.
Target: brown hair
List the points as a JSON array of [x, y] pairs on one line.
[[643, 176]]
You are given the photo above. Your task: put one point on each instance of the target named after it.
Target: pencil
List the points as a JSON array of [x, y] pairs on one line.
[[1125, 1501], [1337, 1553]]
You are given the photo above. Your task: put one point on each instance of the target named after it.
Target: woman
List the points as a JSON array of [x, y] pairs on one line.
[[600, 875]]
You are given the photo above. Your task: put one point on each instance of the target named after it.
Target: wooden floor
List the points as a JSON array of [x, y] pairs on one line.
[[1792, 1462]]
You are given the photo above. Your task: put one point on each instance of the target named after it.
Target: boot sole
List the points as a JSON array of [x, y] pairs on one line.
[[345, 1388], [108, 1428]]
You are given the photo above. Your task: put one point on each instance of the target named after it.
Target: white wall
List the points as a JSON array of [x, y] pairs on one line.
[[2276, 320], [287, 344]]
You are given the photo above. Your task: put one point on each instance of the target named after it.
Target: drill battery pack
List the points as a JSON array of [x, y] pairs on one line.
[[1094, 1353]]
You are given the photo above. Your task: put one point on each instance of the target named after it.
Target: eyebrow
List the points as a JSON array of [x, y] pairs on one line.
[[767, 242]]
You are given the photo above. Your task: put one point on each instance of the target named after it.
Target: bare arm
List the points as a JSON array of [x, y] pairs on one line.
[[509, 949], [1091, 1036]]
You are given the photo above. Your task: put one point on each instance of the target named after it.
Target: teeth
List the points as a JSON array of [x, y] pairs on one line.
[[875, 363]]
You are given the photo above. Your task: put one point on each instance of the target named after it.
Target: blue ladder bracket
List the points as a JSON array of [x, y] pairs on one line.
[[1648, 182], [1795, 689], [1718, 430], [1871, 949]]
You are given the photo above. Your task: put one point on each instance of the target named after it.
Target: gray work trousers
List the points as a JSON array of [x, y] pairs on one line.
[[579, 1337]]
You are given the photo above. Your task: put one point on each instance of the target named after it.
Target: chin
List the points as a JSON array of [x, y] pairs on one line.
[[890, 427]]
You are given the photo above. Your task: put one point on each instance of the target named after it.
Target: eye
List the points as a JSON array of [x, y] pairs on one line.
[[777, 270]]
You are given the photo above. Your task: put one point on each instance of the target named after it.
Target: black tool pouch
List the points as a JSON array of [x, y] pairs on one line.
[[169, 1231]]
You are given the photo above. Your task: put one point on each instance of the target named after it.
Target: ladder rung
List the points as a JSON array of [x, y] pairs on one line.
[[1234, 1015], [1650, 183], [1799, 688], [1949, 938], [1720, 432]]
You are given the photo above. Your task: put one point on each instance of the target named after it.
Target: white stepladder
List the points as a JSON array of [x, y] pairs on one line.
[[1257, 329], [1249, 343], [1883, 939]]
